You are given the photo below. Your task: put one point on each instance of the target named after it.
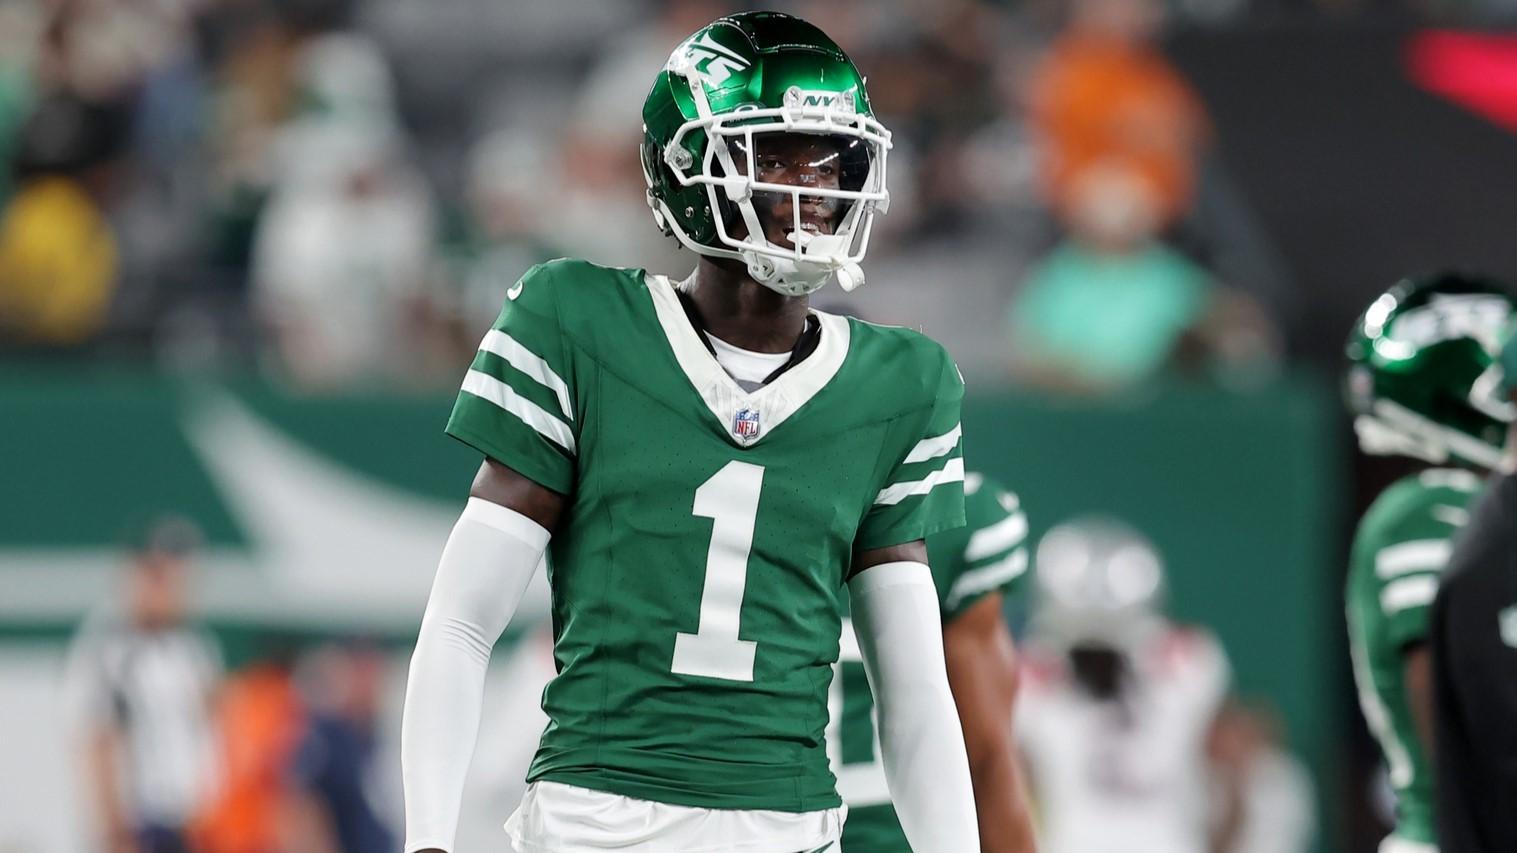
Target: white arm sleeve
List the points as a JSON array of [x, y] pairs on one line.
[[900, 633], [488, 561]]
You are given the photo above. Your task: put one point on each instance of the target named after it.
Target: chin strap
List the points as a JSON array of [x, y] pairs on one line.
[[821, 260]]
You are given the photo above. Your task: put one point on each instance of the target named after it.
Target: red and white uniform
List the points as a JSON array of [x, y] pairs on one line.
[[1128, 774]]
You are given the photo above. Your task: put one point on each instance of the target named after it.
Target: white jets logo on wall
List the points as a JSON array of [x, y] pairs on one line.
[[713, 62]]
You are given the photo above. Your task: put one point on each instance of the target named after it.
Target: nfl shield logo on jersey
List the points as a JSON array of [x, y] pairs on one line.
[[745, 424]]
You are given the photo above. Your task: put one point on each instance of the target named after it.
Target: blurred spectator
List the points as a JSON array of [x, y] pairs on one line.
[[1112, 305], [1106, 93], [251, 52], [1003, 158], [498, 233], [260, 720], [20, 30], [342, 254], [93, 123], [57, 265], [58, 255], [140, 685], [607, 121], [334, 768], [597, 206]]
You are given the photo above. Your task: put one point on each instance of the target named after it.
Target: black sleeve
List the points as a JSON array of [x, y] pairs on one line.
[[1474, 639]]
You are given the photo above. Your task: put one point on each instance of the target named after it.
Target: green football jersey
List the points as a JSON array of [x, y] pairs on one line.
[[708, 531], [1401, 547], [989, 554]]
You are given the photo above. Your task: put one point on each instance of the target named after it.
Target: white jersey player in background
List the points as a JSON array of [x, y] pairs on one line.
[[1118, 712]]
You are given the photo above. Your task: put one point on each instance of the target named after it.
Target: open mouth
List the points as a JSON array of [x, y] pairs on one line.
[[777, 213], [809, 228]]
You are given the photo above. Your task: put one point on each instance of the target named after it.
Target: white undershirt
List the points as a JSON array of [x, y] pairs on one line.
[[748, 368]]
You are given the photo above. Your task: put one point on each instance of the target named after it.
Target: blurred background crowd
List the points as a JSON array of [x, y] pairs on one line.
[[1091, 200], [339, 191]]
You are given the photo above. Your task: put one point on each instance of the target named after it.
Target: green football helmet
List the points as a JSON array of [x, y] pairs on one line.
[[724, 91], [1425, 378]]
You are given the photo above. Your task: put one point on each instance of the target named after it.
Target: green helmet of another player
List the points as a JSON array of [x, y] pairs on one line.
[[737, 88], [1424, 376]]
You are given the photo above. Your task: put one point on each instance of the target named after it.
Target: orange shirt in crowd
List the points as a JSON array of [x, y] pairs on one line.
[[260, 723], [1101, 99]]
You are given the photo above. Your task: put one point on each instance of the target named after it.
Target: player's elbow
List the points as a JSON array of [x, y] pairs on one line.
[[918, 711], [457, 636]]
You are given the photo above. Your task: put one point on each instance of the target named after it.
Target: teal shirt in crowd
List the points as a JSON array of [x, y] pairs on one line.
[[1110, 319]]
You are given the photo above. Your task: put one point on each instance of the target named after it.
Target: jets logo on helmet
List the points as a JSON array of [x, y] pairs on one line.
[[843, 102], [710, 61], [728, 91], [1448, 317], [1425, 378]]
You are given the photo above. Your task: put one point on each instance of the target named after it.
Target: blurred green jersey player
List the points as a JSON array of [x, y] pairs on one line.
[[1421, 384], [974, 567]]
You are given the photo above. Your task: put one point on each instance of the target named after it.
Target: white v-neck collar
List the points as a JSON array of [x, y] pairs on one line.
[[766, 408], [746, 365]]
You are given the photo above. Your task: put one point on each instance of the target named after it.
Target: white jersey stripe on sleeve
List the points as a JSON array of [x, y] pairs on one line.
[[530, 363], [932, 448], [952, 472], [487, 387], [1417, 555], [996, 538], [985, 578], [1414, 591]]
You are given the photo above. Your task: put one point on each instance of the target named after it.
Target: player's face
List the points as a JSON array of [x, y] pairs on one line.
[[1099, 668], [801, 160], [158, 589]]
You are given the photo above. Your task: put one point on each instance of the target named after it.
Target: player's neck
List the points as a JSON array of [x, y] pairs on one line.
[[742, 312]]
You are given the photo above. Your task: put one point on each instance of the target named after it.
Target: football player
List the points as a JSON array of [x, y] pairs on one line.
[[1117, 703], [974, 566], [1421, 384], [1473, 637], [707, 463]]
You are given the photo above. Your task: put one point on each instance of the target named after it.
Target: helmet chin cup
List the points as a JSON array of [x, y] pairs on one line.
[[822, 256], [760, 268], [786, 276]]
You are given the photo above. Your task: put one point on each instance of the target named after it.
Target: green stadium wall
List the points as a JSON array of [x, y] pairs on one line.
[[1240, 492]]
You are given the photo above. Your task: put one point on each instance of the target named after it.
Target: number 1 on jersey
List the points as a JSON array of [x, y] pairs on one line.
[[730, 499]]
